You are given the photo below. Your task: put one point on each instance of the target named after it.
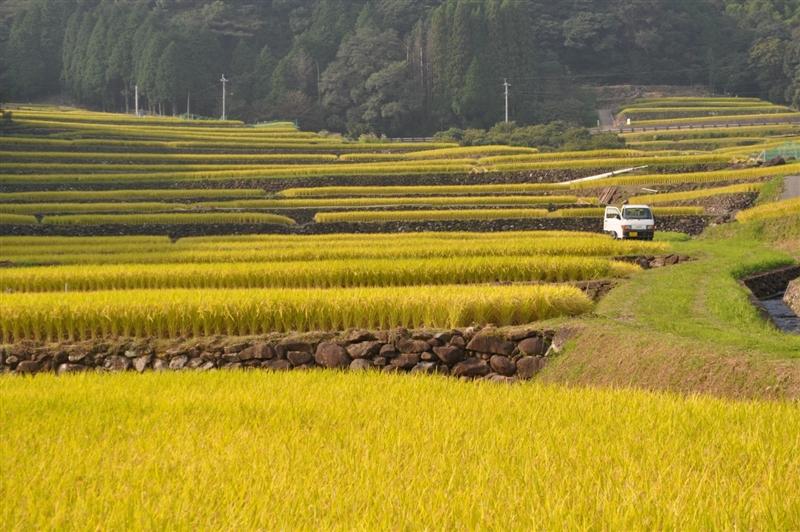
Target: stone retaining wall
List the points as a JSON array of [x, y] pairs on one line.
[[503, 355], [692, 225], [647, 262], [792, 296], [772, 283]]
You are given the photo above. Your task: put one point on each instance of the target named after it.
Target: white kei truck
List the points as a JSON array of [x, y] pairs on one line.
[[629, 222]]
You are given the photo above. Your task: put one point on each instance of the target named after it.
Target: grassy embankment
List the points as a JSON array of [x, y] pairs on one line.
[[691, 327]]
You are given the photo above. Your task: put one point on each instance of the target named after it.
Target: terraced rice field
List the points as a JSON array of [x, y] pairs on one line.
[[98, 176], [699, 111], [778, 209], [73, 172], [184, 450], [72, 168], [558, 457], [276, 283]]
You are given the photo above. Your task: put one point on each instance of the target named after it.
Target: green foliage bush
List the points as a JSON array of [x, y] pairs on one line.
[[557, 135]]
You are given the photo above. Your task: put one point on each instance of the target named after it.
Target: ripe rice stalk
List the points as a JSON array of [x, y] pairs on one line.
[[428, 215], [14, 245], [179, 312], [393, 201], [238, 145], [168, 123], [670, 197], [470, 151], [166, 132], [721, 118], [614, 163], [415, 190], [169, 219], [766, 211], [16, 219], [97, 207], [561, 155], [598, 212], [149, 157], [252, 135], [657, 113], [86, 196], [299, 171], [705, 144], [695, 177], [714, 132], [317, 274], [302, 248], [118, 118], [699, 102], [125, 171]]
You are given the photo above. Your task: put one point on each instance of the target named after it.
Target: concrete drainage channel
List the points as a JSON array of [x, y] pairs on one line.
[[768, 290]]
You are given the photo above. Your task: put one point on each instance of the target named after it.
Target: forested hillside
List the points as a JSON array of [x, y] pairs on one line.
[[399, 67]]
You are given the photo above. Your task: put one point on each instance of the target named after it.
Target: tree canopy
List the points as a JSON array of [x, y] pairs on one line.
[[399, 67]]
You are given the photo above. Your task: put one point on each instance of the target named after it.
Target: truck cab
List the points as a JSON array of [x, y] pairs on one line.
[[629, 222]]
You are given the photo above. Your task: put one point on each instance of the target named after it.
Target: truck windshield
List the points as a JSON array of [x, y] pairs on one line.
[[637, 213]]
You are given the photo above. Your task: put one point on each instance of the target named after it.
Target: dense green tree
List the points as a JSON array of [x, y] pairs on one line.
[[148, 71], [51, 35], [403, 67], [343, 86], [167, 85], [459, 53], [25, 66], [262, 73], [95, 63], [243, 75]]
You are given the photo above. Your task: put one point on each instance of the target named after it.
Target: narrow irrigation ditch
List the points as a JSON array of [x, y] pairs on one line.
[[767, 291]]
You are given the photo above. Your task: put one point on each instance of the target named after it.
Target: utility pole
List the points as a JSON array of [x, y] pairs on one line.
[[188, 94], [136, 98], [506, 85], [224, 81]]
